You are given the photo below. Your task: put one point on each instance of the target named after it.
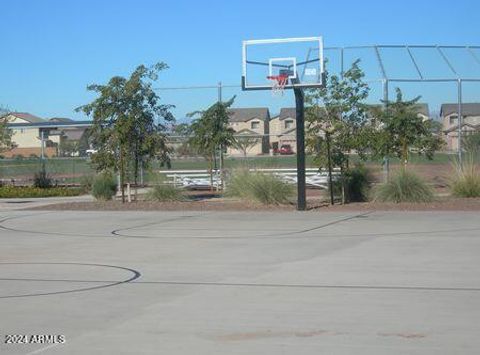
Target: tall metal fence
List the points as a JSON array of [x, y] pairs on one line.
[[439, 74]]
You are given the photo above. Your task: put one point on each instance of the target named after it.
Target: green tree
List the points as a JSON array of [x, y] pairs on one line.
[[181, 134], [210, 133], [401, 129], [129, 122], [68, 147], [5, 132], [84, 142], [245, 143], [336, 117]]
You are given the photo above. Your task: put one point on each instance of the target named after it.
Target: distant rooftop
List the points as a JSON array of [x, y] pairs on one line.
[[61, 119], [27, 117], [468, 109], [246, 114]]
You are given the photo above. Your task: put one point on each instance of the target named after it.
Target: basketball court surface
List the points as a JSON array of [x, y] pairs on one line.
[[241, 283]]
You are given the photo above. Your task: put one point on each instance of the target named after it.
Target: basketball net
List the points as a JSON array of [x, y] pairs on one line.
[[279, 83]]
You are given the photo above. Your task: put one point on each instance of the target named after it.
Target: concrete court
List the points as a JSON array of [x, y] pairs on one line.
[[241, 283]]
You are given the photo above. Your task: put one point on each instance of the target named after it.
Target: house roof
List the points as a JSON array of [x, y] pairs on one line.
[[468, 109], [288, 132], [287, 112], [464, 124], [61, 119], [74, 134], [422, 109], [247, 132], [246, 114], [27, 117]]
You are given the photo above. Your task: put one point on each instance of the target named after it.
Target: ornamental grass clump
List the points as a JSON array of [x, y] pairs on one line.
[[104, 186], [267, 189], [165, 193], [466, 179], [404, 186]]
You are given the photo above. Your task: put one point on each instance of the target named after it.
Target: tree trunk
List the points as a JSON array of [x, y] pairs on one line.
[[222, 168], [210, 169], [404, 155], [135, 176], [122, 174], [330, 178]]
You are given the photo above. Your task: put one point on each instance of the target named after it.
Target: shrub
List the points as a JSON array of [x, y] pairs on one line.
[[86, 183], [357, 183], [164, 192], [404, 187], [42, 180], [466, 181], [264, 188], [30, 192], [104, 186]]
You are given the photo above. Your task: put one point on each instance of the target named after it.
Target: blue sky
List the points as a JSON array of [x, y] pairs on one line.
[[51, 50]]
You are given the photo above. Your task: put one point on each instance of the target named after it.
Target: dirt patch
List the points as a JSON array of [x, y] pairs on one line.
[[440, 204], [217, 205], [224, 204], [403, 335], [270, 334]]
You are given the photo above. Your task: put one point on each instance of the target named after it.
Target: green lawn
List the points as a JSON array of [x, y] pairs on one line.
[[290, 162]]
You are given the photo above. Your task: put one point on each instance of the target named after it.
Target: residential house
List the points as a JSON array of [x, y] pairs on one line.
[[250, 122], [283, 126], [67, 136], [470, 122], [283, 129], [27, 137]]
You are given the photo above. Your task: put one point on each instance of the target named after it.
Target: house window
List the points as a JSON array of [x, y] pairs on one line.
[[453, 119], [255, 125], [288, 124]]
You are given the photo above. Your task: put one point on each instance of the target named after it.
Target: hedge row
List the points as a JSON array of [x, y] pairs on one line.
[[30, 191]]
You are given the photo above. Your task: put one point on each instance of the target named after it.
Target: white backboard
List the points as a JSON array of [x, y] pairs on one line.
[[299, 58]]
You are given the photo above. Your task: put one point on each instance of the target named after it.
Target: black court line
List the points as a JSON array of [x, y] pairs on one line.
[[291, 234], [106, 235], [135, 275], [258, 285], [116, 232], [257, 236]]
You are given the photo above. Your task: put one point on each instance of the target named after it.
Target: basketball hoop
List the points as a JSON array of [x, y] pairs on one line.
[[279, 83]]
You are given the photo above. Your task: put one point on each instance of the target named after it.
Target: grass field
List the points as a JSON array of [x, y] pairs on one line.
[[69, 170], [290, 162]]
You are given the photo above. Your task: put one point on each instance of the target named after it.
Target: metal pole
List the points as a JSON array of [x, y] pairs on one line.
[[342, 64], [300, 113], [219, 91], [460, 121], [386, 159], [221, 147], [330, 179], [42, 142]]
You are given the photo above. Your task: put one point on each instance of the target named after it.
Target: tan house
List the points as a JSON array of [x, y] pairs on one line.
[[470, 122], [252, 123], [67, 135], [27, 139], [283, 129]]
